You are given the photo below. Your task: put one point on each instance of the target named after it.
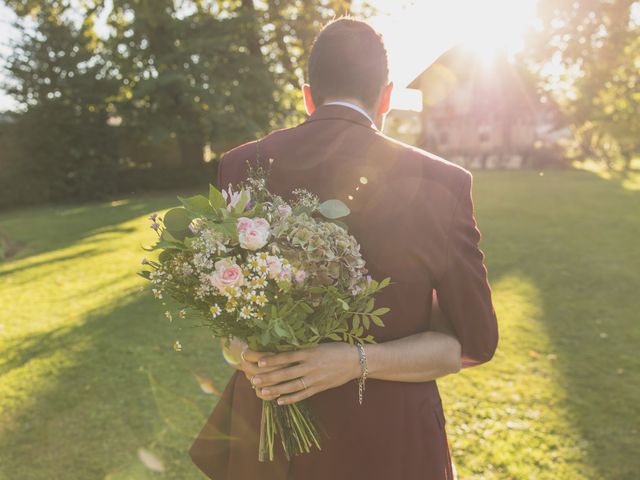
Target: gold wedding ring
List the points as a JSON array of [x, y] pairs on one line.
[[303, 384]]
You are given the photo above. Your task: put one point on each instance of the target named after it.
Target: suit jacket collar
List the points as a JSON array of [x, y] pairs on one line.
[[339, 112]]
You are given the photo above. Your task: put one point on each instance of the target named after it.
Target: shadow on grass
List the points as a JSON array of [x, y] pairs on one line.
[[61, 226], [94, 403], [576, 238], [49, 261]]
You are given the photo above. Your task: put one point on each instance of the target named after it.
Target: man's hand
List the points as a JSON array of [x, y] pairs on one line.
[[294, 376]]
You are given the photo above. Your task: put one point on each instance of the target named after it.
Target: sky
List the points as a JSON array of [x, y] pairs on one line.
[[416, 32]]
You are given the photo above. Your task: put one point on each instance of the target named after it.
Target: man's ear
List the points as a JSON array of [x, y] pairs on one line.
[[308, 101], [385, 99]]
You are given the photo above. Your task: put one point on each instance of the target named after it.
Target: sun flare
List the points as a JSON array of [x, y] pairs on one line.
[[495, 26], [418, 32]]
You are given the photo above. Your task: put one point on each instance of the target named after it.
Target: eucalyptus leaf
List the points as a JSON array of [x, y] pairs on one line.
[[334, 208], [177, 221]]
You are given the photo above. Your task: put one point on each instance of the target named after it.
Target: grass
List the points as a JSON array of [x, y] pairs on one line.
[[88, 377]]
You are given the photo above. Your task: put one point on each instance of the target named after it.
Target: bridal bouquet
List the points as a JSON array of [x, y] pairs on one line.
[[277, 275]]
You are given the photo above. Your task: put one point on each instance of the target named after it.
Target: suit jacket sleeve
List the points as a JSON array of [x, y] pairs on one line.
[[463, 290]]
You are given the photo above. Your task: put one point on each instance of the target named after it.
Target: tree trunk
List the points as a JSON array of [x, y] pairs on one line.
[[253, 41], [285, 56]]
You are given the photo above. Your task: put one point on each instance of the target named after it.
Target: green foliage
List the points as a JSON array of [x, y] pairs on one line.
[[55, 73], [177, 222], [167, 80], [596, 46]]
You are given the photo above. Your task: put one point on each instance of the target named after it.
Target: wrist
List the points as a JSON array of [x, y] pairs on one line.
[[373, 350], [354, 363]]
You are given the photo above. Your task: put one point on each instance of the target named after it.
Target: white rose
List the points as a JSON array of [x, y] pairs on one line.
[[254, 234]]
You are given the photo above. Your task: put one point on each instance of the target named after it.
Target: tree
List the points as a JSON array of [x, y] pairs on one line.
[[212, 72], [56, 75], [162, 73], [594, 48]]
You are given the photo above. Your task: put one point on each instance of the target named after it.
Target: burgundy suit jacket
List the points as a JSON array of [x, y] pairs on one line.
[[412, 213]]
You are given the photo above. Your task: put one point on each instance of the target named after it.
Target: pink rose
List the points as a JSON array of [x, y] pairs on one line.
[[274, 266], [227, 274], [244, 223], [254, 233]]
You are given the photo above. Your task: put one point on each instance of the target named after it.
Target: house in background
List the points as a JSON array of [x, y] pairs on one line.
[[480, 114]]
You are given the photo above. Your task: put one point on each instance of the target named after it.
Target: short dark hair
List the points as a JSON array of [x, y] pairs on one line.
[[348, 60]]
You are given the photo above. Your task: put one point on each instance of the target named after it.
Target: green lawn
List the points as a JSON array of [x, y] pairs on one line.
[[88, 376]]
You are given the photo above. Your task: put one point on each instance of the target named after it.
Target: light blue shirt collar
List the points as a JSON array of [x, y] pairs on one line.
[[357, 108]]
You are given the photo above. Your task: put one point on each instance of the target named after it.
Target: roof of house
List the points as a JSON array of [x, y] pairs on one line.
[[497, 84]]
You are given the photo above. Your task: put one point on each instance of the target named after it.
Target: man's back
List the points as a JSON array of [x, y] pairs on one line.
[[410, 213]]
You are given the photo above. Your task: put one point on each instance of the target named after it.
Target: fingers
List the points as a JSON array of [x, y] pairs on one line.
[[249, 363], [291, 386], [261, 396], [252, 369], [281, 359], [299, 395], [253, 356], [280, 375]]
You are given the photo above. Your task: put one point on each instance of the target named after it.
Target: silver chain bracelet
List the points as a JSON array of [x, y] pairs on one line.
[[365, 371]]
